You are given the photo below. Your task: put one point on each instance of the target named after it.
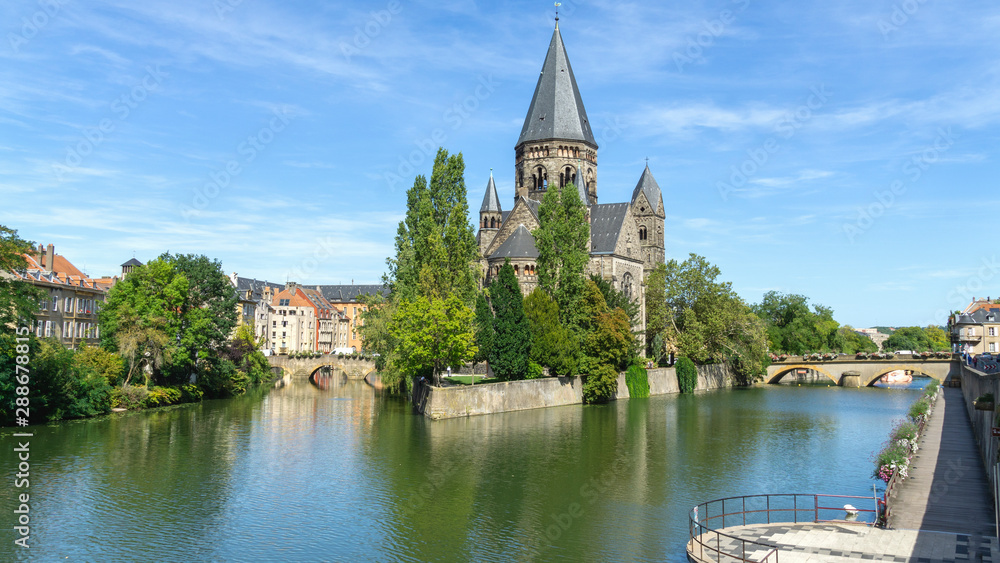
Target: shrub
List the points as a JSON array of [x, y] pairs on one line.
[[687, 375], [191, 393], [129, 397], [919, 410], [162, 396], [600, 385], [535, 370], [931, 388], [637, 381]]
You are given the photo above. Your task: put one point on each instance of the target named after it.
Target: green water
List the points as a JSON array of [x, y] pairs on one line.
[[302, 473]]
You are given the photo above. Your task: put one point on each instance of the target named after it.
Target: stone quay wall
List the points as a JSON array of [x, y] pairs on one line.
[[490, 398], [974, 384]]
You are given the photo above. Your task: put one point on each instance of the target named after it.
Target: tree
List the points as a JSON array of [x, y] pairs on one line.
[[432, 334], [793, 328], [708, 322], [607, 345], [687, 375], [435, 243], [563, 239], [851, 342], [18, 299], [552, 344], [656, 311], [140, 319], [207, 314], [107, 364], [485, 333], [512, 340], [917, 339]]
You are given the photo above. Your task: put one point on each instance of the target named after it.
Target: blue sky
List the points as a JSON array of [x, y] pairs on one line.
[[845, 150]]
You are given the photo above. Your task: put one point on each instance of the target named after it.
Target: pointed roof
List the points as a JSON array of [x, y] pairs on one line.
[[647, 185], [132, 262], [520, 244], [556, 110], [491, 203]]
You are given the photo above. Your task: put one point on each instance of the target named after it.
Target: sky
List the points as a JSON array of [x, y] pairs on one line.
[[846, 151]]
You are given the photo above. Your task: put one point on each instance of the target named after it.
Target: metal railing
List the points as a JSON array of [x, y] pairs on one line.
[[885, 505], [708, 519]]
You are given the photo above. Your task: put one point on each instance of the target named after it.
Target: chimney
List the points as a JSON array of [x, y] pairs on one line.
[[51, 258]]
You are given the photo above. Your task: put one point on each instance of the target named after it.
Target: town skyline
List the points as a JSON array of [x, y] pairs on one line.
[[812, 150]]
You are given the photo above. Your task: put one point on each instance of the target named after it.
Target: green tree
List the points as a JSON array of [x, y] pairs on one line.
[[851, 342], [435, 243], [207, 314], [563, 239], [108, 364], [18, 299], [140, 319], [485, 333], [512, 341], [61, 388], [552, 344], [709, 323], [432, 334], [656, 311], [607, 346], [795, 328]]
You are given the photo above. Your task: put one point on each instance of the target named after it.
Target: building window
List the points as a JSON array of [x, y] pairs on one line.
[[993, 331], [274, 323], [55, 304], [993, 346], [48, 329], [41, 329]]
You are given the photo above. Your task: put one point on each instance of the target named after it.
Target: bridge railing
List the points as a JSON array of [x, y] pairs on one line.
[[708, 520]]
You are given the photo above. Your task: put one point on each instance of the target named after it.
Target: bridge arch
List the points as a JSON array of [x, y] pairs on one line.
[[916, 369], [785, 370]]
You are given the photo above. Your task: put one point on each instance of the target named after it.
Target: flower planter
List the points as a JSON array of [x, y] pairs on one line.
[[983, 405]]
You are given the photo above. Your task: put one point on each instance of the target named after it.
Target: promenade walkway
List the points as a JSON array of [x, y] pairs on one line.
[[840, 543], [947, 489]]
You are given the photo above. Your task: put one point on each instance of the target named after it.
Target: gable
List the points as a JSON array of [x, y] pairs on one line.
[[521, 214]]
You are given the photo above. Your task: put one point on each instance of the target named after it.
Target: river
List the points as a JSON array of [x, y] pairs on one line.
[[302, 473]]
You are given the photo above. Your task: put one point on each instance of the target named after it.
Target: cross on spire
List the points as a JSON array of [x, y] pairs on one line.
[[557, 14]]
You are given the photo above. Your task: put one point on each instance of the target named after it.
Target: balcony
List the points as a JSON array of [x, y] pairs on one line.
[[967, 337]]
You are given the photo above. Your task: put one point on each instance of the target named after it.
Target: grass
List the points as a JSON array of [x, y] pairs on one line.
[[467, 379]]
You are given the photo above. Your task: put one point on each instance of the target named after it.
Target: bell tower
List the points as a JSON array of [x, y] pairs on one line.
[[556, 146]]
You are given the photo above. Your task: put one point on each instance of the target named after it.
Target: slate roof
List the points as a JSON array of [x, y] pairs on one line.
[[132, 262], [520, 244], [647, 185], [980, 316], [256, 287], [556, 110], [606, 220], [491, 203], [350, 293], [532, 205]]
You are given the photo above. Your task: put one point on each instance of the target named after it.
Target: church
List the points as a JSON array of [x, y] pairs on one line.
[[557, 148]]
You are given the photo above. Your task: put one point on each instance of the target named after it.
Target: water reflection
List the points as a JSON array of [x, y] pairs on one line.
[[327, 469]]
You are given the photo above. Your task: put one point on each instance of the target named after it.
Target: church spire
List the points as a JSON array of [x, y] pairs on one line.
[[556, 110], [491, 203]]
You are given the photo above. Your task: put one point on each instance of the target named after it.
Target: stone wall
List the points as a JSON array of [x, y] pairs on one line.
[[974, 384], [468, 400]]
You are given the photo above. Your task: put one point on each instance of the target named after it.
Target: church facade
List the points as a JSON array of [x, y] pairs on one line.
[[557, 149]]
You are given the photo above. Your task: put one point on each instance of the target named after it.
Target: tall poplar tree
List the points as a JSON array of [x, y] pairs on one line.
[[512, 334], [433, 274], [563, 240]]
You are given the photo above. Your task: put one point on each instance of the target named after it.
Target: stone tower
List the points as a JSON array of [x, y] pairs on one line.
[[490, 216], [647, 208], [556, 146]]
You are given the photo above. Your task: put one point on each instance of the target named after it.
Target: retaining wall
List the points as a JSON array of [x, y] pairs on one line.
[[490, 398], [974, 384]]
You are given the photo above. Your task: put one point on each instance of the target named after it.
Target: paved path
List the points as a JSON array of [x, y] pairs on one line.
[[839, 543], [947, 490]]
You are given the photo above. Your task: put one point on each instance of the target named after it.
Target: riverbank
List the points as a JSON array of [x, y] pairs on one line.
[[439, 403]]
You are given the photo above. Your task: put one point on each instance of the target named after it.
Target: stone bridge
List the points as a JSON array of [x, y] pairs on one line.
[[870, 370], [355, 368]]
